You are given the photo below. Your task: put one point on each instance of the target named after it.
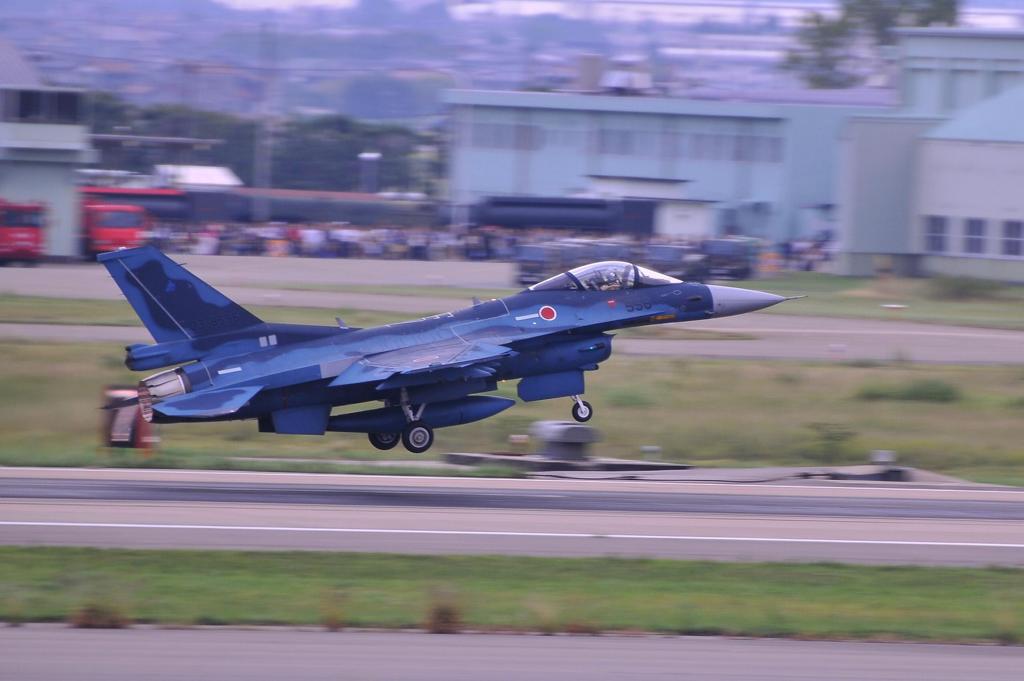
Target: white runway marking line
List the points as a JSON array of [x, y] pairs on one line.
[[491, 533]]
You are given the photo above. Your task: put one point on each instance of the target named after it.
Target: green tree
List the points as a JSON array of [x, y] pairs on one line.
[[309, 153], [823, 57], [321, 153]]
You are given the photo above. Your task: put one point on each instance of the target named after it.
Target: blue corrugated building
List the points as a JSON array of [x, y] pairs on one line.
[[759, 168]]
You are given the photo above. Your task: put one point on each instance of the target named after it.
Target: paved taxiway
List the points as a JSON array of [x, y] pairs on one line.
[[802, 522], [229, 654]]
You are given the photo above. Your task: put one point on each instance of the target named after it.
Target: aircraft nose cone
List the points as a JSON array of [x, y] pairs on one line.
[[727, 300]]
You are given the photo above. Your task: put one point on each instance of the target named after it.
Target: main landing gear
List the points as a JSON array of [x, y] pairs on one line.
[[417, 436], [581, 409], [384, 441]]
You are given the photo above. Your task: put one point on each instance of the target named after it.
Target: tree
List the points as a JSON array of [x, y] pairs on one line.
[[824, 55], [309, 153], [825, 58]]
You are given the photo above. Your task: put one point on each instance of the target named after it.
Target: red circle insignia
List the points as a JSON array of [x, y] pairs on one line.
[[548, 313]]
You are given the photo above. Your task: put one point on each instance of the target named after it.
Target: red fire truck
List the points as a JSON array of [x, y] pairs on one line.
[[116, 216], [21, 232], [109, 226]]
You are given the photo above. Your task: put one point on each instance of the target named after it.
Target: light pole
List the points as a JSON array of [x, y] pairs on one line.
[[369, 162]]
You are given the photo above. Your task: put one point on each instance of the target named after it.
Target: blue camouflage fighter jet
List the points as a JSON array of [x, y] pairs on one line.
[[428, 373]]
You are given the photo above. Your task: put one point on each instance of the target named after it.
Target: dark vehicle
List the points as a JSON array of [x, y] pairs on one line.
[[675, 260], [729, 258]]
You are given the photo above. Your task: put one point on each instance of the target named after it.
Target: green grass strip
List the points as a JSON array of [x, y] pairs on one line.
[[499, 592]]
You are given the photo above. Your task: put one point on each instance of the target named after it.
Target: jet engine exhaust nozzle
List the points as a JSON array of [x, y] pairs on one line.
[[159, 387], [729, 300]]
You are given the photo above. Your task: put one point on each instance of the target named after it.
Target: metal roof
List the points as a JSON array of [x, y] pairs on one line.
[[562, 101], [997, 119], [959, 32], [198, 176], [15, 71]]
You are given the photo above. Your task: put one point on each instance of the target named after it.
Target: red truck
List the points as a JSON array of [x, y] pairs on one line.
[[21, 232], [109, 226]]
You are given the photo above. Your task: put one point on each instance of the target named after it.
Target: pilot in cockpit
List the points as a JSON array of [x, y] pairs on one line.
[[606, 276]]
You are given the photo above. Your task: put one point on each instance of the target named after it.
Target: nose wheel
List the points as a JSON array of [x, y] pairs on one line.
[[581, 410], [417, 437], [384, 440]]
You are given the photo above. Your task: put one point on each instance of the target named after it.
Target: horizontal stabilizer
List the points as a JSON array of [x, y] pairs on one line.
[[207, 403]]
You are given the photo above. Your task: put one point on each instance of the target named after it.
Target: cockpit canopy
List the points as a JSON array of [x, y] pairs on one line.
[[610, 275]]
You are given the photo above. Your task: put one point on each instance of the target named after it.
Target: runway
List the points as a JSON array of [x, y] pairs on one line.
[[273, 654], [169, 509]]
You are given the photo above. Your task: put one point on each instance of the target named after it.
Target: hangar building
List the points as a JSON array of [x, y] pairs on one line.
[[935, 187], [762, 168]]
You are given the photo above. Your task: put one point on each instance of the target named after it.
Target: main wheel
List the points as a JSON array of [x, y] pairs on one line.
[[417, 437], [582, 411], [384, 440]]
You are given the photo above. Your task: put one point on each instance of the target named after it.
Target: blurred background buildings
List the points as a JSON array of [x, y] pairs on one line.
[[899, 147]]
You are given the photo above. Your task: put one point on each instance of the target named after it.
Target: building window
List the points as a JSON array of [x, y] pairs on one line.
[[30, 105], [507, 136], [747, 148], [673, 145], [619, 142], [65, 107], [699, 146], [41, 106], [935, 234], [974, 236], [529, 137], [1013, 237]]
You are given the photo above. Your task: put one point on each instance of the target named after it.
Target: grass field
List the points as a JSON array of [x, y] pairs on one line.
[[497, 592], [926, 300], [711, 413]]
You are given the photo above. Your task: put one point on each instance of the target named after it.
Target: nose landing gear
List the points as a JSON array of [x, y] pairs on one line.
[[581, 409]]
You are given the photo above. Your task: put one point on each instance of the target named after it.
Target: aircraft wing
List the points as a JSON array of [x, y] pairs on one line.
[[444, 361], [207, 403]]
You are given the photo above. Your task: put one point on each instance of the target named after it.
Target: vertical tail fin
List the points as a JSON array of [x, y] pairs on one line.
[[172, 303]]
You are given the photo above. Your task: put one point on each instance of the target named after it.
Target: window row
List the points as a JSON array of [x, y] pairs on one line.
[[625, 142], [1009, 235], [40, 106]]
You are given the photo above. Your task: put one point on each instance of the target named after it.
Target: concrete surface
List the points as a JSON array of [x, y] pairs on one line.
[[163, 509], [56, 653]]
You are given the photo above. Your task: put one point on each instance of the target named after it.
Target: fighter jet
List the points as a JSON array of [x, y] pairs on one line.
[[427, 373]]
